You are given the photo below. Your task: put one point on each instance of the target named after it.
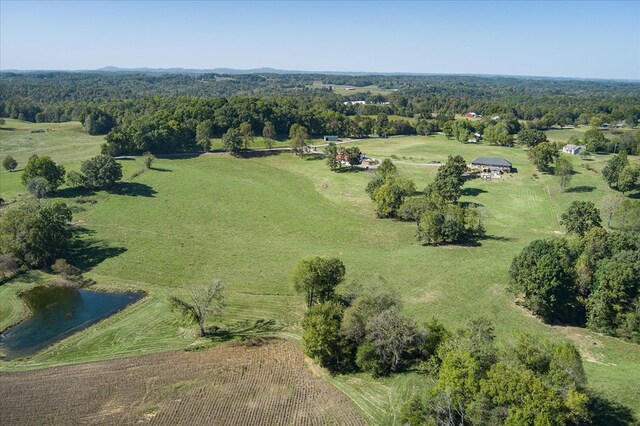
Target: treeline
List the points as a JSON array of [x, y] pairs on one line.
[[552, 102]]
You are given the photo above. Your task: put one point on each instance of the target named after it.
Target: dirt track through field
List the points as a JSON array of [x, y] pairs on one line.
[[231, 384]]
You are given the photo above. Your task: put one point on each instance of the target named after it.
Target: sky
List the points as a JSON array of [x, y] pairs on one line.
[[590, 39]]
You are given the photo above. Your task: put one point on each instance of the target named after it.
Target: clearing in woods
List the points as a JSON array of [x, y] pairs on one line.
[[230, 384]]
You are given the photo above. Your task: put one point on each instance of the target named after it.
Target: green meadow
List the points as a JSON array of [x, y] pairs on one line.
[[248, 221]]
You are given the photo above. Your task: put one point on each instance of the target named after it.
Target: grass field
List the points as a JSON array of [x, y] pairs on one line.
[[249, 221]]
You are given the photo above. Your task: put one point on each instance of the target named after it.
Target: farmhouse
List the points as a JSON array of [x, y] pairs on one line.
[[330, 138], [572, 149], [491, 164]]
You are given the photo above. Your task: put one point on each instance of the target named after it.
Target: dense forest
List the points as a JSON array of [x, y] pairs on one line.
[[161, 113]]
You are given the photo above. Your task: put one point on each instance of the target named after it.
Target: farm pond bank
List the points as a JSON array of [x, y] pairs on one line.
[[57, 313]]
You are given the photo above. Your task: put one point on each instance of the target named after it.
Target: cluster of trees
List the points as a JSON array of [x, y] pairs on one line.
[[9, 163], [388, 190], [42, 175], [527, 380], [440, 218], [499, 131], [362, 330], [592, 278], [621, 175]]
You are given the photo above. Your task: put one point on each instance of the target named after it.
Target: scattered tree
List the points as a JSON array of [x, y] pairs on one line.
[[610, 205], [204, 302], [246, 131], [9, 163], [331, 151], [543, 154], [45, 168], [269, 134], [101, 171], [75, 179], [317, 277], [564, 171], [203, 134], [38, 187], [232, 141], [532, 137], [298, 135], [580, 217], [615, 165], [148, 159], [498, 134]]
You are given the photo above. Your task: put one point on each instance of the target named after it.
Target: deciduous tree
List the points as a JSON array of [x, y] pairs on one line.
[[317, 278], [45, 168]]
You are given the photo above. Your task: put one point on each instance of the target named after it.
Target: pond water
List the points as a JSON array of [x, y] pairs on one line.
[[57, 313]]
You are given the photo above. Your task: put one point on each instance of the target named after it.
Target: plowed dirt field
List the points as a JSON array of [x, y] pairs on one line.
[[231, 384]]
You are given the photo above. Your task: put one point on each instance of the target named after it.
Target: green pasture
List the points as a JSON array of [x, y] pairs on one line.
[[248, 221]]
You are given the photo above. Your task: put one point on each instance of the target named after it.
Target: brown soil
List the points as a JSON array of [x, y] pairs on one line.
[[267, 383]]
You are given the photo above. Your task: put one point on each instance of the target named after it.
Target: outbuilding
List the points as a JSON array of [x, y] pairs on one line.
[[491, 164], [330, 138], [572, 149]]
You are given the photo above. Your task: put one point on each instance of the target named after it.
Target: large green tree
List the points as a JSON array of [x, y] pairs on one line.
[[246, 131], [580, 217], [232, 141], [101, 171], [35, 232], [203, 134], [613, 168], [543, 155], [564, 171], [531, 137], [9, 163], [317, 278], [543, 274], [298, 135], [45, 168], [322, 339]]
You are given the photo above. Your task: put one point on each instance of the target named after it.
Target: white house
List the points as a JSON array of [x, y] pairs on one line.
[[572, 149]]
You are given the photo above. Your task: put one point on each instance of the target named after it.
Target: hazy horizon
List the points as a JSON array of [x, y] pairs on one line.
[[585, 40]]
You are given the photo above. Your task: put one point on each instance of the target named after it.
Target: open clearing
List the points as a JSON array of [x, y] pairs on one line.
[[230, 384], [249, 221]]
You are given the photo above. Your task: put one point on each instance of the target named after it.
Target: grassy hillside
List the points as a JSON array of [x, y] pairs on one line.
[[249, 221]]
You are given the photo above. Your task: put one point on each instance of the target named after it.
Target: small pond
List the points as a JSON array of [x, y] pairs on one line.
[[57, 313]]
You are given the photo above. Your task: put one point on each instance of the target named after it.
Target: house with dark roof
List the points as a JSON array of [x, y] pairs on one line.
[[491, 164]]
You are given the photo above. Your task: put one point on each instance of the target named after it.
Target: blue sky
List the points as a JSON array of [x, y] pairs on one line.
[[567, 39]]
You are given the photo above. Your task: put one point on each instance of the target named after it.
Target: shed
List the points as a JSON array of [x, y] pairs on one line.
[[571, 149], [330, 138], [491, 164]]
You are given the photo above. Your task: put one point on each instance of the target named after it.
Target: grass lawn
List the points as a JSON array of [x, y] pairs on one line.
[[249, 221]]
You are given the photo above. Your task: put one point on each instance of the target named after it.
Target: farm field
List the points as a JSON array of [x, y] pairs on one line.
[[249, 221], [230, 384]]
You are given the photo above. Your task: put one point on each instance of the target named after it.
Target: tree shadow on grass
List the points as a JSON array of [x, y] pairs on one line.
[[132, 189], [352, 169], [244, 329], [160, 169], [580, 189], [257, 154], [86, 253], [473, 192], [606, 412], [73, 192]]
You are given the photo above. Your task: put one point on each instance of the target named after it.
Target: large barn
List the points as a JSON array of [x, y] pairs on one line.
[[491, 164]]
